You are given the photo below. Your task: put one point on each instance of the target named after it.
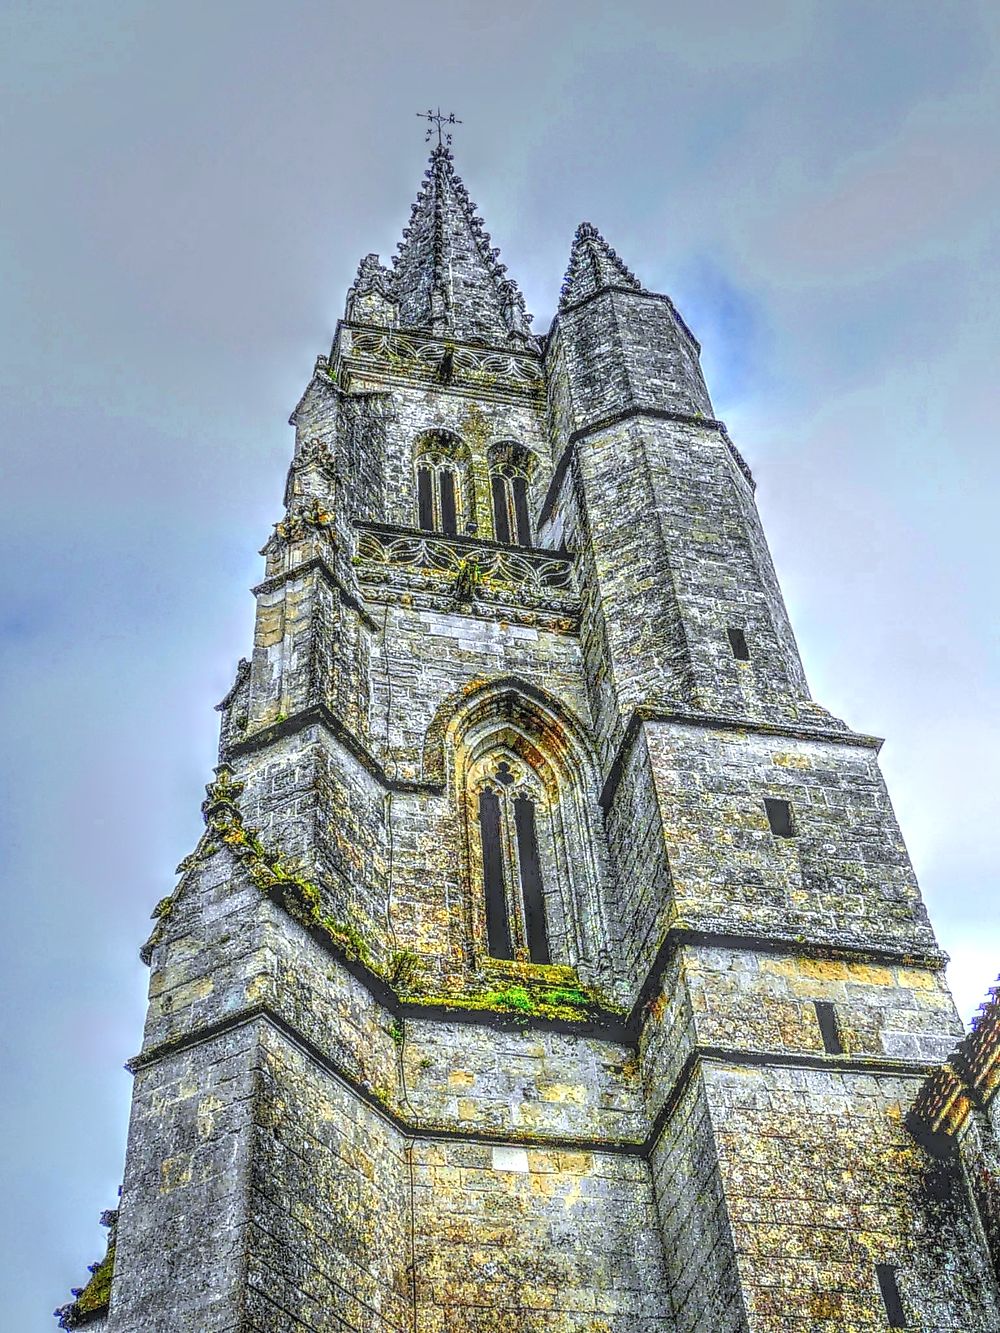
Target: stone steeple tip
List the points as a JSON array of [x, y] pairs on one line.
[[593, 266], [447, 275]]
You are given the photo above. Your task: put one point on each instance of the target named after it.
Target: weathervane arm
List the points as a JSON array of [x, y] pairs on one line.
[[437, 119]]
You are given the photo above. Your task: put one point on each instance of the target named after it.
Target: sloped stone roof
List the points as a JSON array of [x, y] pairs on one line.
[[594, 266], [447, 276]]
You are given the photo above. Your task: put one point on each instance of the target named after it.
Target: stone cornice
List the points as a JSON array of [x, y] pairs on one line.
[[700, 1056], [320, 715], [656, 413], [622, 290], [316, 564], [420, 358], [411, 1128], [722, 722], [679, 937], [441, 340], [629, 414]]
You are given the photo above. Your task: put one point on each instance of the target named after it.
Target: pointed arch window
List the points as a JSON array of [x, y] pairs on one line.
[[511, 466], [533, 857], [512, 869], [444, 501]]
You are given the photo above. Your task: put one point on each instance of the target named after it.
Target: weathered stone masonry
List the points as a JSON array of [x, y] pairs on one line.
[[551, 962]]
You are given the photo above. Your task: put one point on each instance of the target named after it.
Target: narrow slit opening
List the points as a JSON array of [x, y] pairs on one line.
[[779, 816], [891, 1298], [519, 485], [738, 643], [501, 520], [497, 918], [449, 516], [531, 881], [826, 1016], [425, 499]]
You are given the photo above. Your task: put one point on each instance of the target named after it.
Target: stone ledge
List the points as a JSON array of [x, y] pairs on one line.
[[627, 291], [315, 565], [871, 1066], [699, 1057], [679, 937], [722, 722], [320, 715], [409, 1128]]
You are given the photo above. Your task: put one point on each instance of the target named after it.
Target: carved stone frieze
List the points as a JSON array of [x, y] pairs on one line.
[[418, 356]]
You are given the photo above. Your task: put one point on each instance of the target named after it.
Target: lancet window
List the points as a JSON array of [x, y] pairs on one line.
[[444, 502], [511, 466], [533, 843], [512, 866]]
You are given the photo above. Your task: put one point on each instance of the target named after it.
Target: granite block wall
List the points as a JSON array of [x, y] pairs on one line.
[[822, 1182], [534, 1240], [844, 878], [183, 1217]]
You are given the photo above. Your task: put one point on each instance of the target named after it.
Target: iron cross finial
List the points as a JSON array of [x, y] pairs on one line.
[[438, 118]]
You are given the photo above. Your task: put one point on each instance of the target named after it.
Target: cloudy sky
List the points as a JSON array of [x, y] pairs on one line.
[[188, 190]]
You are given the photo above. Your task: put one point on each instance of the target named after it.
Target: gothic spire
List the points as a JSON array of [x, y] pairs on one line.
[[448, 277], [593, 265]]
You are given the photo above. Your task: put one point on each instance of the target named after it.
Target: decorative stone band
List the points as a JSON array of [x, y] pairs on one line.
[[968, 1080], [470, 570], [419, 357]]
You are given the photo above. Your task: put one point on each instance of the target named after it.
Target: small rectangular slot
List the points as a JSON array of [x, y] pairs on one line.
[[779, 816], [891, 1299], [449, 517], [738, 643], [826, 1016]]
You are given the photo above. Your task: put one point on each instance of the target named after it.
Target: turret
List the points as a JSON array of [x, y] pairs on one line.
[[685, 613]]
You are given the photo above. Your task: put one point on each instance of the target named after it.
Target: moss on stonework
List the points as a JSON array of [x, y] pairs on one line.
[[95, 1297], [404, 967], [566, 1003], [302, 896]]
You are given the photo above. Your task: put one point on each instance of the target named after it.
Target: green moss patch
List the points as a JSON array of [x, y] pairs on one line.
[[565, 1003]]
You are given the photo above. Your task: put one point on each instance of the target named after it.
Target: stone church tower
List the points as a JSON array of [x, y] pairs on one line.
[[551, 962]]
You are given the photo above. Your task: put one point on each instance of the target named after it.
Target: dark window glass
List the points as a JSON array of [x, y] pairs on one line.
[[501, 522], [449, 518], [779, 816], [827, 1017], [891, 1299], [497, 920], [531, 881], [520, 488], [425, 499], [738, 643]]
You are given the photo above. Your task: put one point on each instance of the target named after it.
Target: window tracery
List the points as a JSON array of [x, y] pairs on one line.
[[511, 466], [535, 861], [512, 868], [444, 500]]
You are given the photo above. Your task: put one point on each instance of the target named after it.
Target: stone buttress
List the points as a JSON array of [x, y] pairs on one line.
[[551, 962]]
